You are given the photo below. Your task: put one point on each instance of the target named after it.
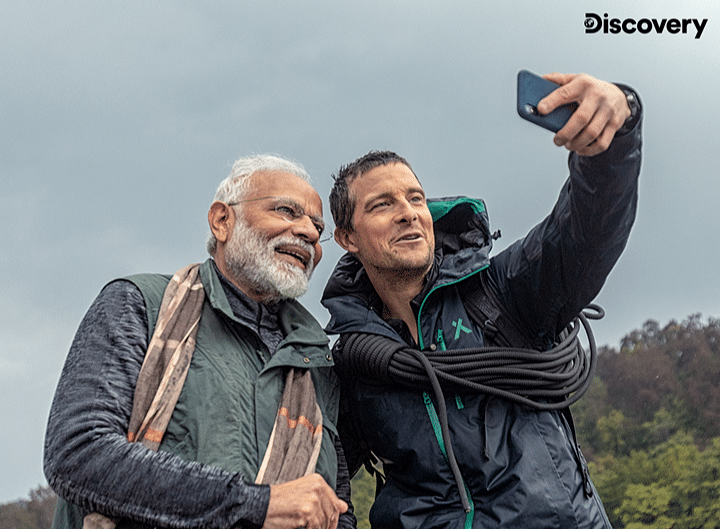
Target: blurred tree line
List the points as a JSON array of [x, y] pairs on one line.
[[649, 426], [35, 513]]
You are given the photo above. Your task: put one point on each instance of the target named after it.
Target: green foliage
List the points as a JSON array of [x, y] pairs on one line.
[[363, 495], [661, 381], [674, 485], [653, 406], [611, 432]]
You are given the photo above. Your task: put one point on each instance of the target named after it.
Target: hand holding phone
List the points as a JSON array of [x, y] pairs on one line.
[[531, 89], [605, 109]]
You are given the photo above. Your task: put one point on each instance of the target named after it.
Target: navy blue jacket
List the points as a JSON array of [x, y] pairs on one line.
[[521, 467]]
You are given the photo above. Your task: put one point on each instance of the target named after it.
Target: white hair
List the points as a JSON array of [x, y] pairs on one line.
[[236, 185]]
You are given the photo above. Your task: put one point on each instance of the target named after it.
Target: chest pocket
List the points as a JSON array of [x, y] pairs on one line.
[[447, 324]]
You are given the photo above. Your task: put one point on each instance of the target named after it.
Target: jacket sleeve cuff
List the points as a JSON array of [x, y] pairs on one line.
[[633, 100], [255, 500]]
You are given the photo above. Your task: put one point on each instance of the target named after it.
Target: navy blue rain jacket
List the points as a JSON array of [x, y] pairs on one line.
[[521, 467]]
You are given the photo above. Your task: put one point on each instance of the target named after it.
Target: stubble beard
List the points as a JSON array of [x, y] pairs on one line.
[[405, 270], [251, 260]]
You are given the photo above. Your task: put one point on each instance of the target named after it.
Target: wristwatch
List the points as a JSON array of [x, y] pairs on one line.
[[633, 102]]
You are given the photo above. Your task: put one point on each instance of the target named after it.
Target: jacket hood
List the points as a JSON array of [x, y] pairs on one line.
[[462, 247]]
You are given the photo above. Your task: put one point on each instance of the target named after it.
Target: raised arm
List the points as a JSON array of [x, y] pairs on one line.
[[547, 277]]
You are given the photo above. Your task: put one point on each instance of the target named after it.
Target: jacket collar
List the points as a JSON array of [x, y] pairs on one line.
[[297, 325]]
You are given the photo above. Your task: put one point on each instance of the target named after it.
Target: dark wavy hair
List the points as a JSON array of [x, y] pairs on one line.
[[342, 205]]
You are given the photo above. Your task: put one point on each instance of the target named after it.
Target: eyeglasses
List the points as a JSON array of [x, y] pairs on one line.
[[291, 211]]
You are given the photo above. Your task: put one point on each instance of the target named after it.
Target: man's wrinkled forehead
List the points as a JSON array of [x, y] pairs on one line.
[[288, 185], [360, 173]]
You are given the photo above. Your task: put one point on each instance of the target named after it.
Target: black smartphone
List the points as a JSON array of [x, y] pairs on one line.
[[531, 89]]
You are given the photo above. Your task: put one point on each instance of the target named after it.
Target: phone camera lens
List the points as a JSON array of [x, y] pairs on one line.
[[530, 109]]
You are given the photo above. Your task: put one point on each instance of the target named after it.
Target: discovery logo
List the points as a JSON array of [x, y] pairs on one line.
[[594, 23]]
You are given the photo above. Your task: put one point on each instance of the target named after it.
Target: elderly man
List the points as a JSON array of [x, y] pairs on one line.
[[418, 273], [208, 399]]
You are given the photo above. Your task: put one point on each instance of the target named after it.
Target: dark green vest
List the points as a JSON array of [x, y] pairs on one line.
[[227, 408]]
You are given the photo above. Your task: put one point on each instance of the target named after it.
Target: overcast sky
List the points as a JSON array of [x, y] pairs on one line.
[[119, 119]]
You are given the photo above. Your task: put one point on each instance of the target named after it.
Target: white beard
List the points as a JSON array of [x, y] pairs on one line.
[[251, 260]]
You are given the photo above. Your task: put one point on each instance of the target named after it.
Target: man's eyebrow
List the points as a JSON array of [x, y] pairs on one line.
[[384, 194], [390, 194], [294, 203], [318, 219], [373, 197]]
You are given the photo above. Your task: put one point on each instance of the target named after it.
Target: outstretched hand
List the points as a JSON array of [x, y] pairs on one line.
[[308, 502], [602, 110]]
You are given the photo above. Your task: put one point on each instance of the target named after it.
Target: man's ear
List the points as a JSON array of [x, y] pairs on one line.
[[346, 239], [221, 219]]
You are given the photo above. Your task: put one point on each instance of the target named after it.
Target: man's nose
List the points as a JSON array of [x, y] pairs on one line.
[[406, 211], [305, 227]]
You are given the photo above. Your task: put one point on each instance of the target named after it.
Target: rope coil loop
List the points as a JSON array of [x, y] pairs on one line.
[[544, 380]]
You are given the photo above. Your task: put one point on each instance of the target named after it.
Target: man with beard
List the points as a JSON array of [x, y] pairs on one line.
[[418, 273], [207, 399]]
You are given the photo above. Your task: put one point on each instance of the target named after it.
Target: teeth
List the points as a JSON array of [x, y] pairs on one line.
[[298, 257]]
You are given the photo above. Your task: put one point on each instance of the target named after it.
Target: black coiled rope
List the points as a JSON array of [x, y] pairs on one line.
[[544, 380]]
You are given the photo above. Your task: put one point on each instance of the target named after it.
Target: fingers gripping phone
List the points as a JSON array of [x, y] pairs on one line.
[[531, 89]]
